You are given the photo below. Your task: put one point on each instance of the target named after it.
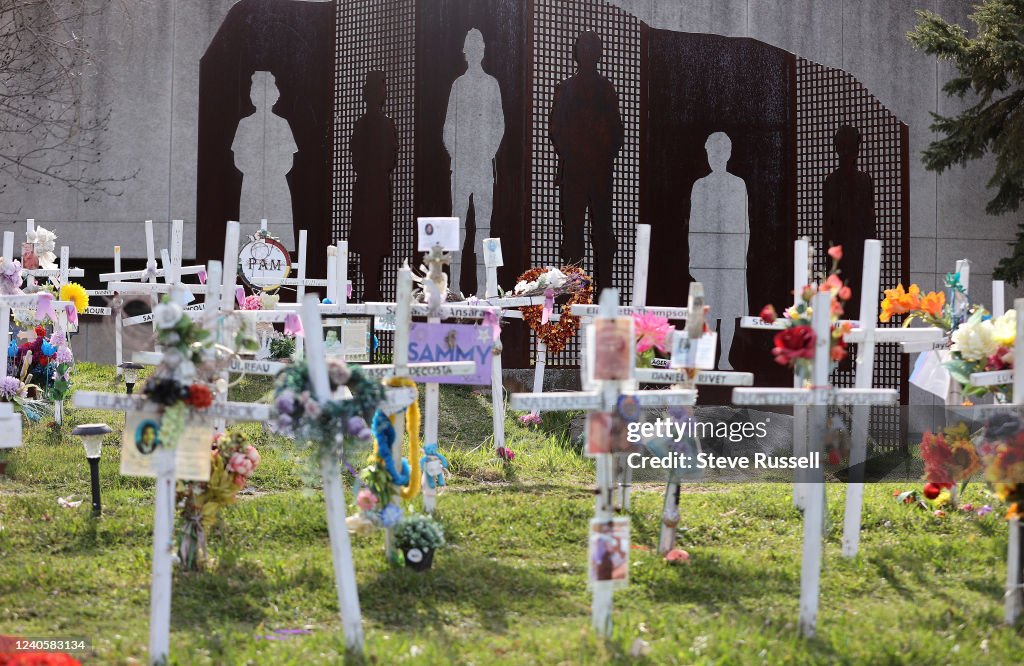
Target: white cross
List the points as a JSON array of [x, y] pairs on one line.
[[163, 519], [604, 397], [866, 336], [820, 394], [1014, 597]]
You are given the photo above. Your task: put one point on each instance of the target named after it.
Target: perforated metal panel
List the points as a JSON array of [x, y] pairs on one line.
[[556, 25], [826, 99], [375, 35]]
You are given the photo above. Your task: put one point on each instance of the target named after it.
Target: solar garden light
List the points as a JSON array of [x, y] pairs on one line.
[[92, 437], [131, 374]]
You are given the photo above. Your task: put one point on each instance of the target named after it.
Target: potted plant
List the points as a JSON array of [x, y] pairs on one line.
[[418, 536]]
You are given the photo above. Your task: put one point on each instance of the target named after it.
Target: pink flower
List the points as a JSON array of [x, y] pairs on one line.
[[651, 331], [768, 314], [506, 454], [967, 507], [239, 463], [836, 252], [533, 418], [366, 500], [252, 302], [252, 454], [677, 555], [845, 293]]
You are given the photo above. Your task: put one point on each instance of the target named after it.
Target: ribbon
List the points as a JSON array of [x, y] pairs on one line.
[[293, 325], [44, 306], [150, 271], [491, 321], [202, 277], [240, 296], [549, 306], [348, 289], [72, 313]]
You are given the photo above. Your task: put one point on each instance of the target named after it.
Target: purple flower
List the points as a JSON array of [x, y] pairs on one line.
[[64, 355], [390, 515], [364, 435], [985, 510], [284, 423], [355, 425], [10, 387], [285, 403]]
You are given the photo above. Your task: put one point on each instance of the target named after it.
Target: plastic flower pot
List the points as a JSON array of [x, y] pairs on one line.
[[419, 560]]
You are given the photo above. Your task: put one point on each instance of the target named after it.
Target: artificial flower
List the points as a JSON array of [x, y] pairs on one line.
[[366, 500], [974, 341], [199, 396], [677, 556], [651, 331], [252, 302], [10, 388], [530, 419], [390, 515], [76, 293], [932, 303], [836, 252], [1004, 329], [506, 454], [167, 315], [768, 314], [794, 343], [985, 510], [897, 302]]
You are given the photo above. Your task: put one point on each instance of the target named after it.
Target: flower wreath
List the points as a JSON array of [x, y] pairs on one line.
[[335, 428], [555, 334]]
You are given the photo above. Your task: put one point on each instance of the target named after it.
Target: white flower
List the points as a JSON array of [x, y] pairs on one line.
[[974, 341], [269, 301], [167, 315], [1004, 329], [553, 278]]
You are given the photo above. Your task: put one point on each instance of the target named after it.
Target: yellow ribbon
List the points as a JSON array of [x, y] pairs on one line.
[[412, 426]]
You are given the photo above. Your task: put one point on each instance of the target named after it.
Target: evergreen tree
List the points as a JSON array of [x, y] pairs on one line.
[[991, 67]]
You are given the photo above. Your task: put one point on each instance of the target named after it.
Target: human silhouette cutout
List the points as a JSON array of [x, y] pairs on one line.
[[849, 212], [264, 150], [473, 128], [587, 133], [374, 147], [719, 235]]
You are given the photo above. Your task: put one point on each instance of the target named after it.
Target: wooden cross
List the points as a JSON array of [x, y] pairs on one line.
[[684, 378], [163, 519], [865, 335], [1014, 597], [820, 395], [604, 397]]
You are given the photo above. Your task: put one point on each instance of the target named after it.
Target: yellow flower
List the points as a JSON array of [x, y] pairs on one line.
[[897, 301], [76, 293], [1004, 329]]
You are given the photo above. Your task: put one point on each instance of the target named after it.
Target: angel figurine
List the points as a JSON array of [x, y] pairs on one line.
[[45, 242]]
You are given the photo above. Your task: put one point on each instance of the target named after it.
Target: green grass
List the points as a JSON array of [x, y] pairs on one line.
[[511, 587]]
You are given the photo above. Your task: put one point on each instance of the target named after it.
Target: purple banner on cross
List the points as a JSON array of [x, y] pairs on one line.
[[439, 343]]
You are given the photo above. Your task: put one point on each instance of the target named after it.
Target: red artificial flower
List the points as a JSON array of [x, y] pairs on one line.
[[932, 490], [836, 252], [40, 332], [768, 314], [835, 457], [199, 396], [838, 352], [794, 343]]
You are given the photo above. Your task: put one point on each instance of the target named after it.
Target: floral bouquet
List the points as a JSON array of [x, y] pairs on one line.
[[12, 389], [187, 375], [931, 308], [794, 345], [983, 344], [233, 460], [652, 338], [335, 428], [1001, 449]]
